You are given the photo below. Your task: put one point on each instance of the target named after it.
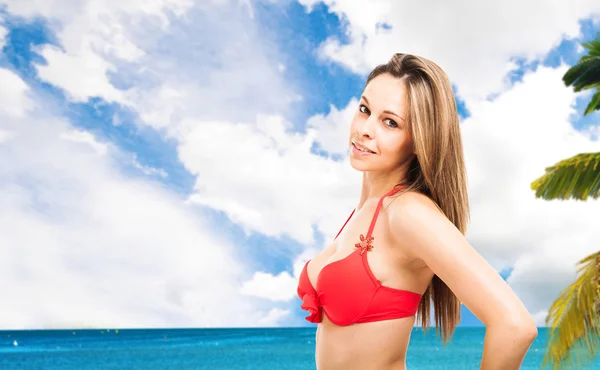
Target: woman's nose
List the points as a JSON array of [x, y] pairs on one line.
[[366, 127]]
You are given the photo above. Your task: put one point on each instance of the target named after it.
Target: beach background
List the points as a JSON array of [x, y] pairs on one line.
[[174, 163], [224, 349]]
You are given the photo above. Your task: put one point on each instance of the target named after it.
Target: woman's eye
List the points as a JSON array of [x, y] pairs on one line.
[[391, 123], [363, 109]]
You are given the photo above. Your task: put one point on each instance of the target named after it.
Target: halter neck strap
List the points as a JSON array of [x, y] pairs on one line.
[[338, 234], [372, 226], [391, 192]]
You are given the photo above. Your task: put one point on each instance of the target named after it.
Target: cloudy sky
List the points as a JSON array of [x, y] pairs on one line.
[[173, 163]]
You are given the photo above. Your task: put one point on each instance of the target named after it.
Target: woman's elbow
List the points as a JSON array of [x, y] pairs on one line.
[[525, 330], [531, 332]]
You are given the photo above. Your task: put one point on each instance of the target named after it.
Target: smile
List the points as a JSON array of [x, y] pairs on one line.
[[361, 148]]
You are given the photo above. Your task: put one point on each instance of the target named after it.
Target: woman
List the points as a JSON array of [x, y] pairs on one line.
[[403, 247]]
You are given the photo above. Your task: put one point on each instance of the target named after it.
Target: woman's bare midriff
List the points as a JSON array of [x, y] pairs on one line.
[[379, 345]]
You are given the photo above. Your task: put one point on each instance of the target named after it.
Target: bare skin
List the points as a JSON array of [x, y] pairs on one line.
[[413, 241], [375, 345]]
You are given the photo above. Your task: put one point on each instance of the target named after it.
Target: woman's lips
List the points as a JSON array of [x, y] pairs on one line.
[[360, 152]]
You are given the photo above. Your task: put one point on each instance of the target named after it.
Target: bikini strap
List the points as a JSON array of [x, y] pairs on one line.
[[338, 234], [372, 226]]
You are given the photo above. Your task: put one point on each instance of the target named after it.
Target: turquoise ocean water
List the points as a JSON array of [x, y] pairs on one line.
[[216, 349]]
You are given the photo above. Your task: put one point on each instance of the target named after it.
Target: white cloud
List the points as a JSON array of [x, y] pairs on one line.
[[274, 317], [508, 143], [332, 131], [49, 9], [15, 101], [540, 318], [470, 40], [234, 77], [594, 132], [94, 35], [85, 137], [81, 75], [232, 73], [69, 10], [82, 245], [291, 188], [281, 287], [173, 101], [199, 66], [6, 135], [540, 275]]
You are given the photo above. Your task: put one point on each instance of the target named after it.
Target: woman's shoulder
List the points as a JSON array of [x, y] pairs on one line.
[[419, 226], [412, 200], [412, 209]]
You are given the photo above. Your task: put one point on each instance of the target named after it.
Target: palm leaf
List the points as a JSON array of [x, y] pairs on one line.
[[594, 103], [583, 75], [574, 336], [586, 74], [577, 177]]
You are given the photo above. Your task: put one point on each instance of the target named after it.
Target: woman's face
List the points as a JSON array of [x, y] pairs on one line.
[[379, 125]]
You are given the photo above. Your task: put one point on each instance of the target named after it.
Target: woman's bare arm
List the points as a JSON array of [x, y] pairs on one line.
[[417, 225]]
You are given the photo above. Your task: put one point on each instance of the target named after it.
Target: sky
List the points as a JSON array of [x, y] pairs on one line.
[[174, 163]]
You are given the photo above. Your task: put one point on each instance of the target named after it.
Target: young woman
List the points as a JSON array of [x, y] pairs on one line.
[[403, 250]]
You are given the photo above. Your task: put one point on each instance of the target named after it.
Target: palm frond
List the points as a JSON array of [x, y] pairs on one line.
[[586, 74], [594, 104], [583, 75], [577, 177], [593, 47], [574, 337]]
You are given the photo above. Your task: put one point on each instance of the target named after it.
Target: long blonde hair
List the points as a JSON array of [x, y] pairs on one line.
[[438, 169]]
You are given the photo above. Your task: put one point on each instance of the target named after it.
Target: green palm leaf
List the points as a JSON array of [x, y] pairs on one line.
[[577, 177], [586, 74], [594, 103], [575, 334]]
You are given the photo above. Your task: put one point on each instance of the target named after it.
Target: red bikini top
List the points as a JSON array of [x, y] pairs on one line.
[[348, 292]]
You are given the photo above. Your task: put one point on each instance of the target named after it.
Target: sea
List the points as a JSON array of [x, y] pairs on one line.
[[224, 349]]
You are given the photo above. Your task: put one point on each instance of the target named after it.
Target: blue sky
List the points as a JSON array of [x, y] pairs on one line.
[[195, 148]]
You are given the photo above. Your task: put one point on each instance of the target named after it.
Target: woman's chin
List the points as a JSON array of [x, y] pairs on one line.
[[359, 165]]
